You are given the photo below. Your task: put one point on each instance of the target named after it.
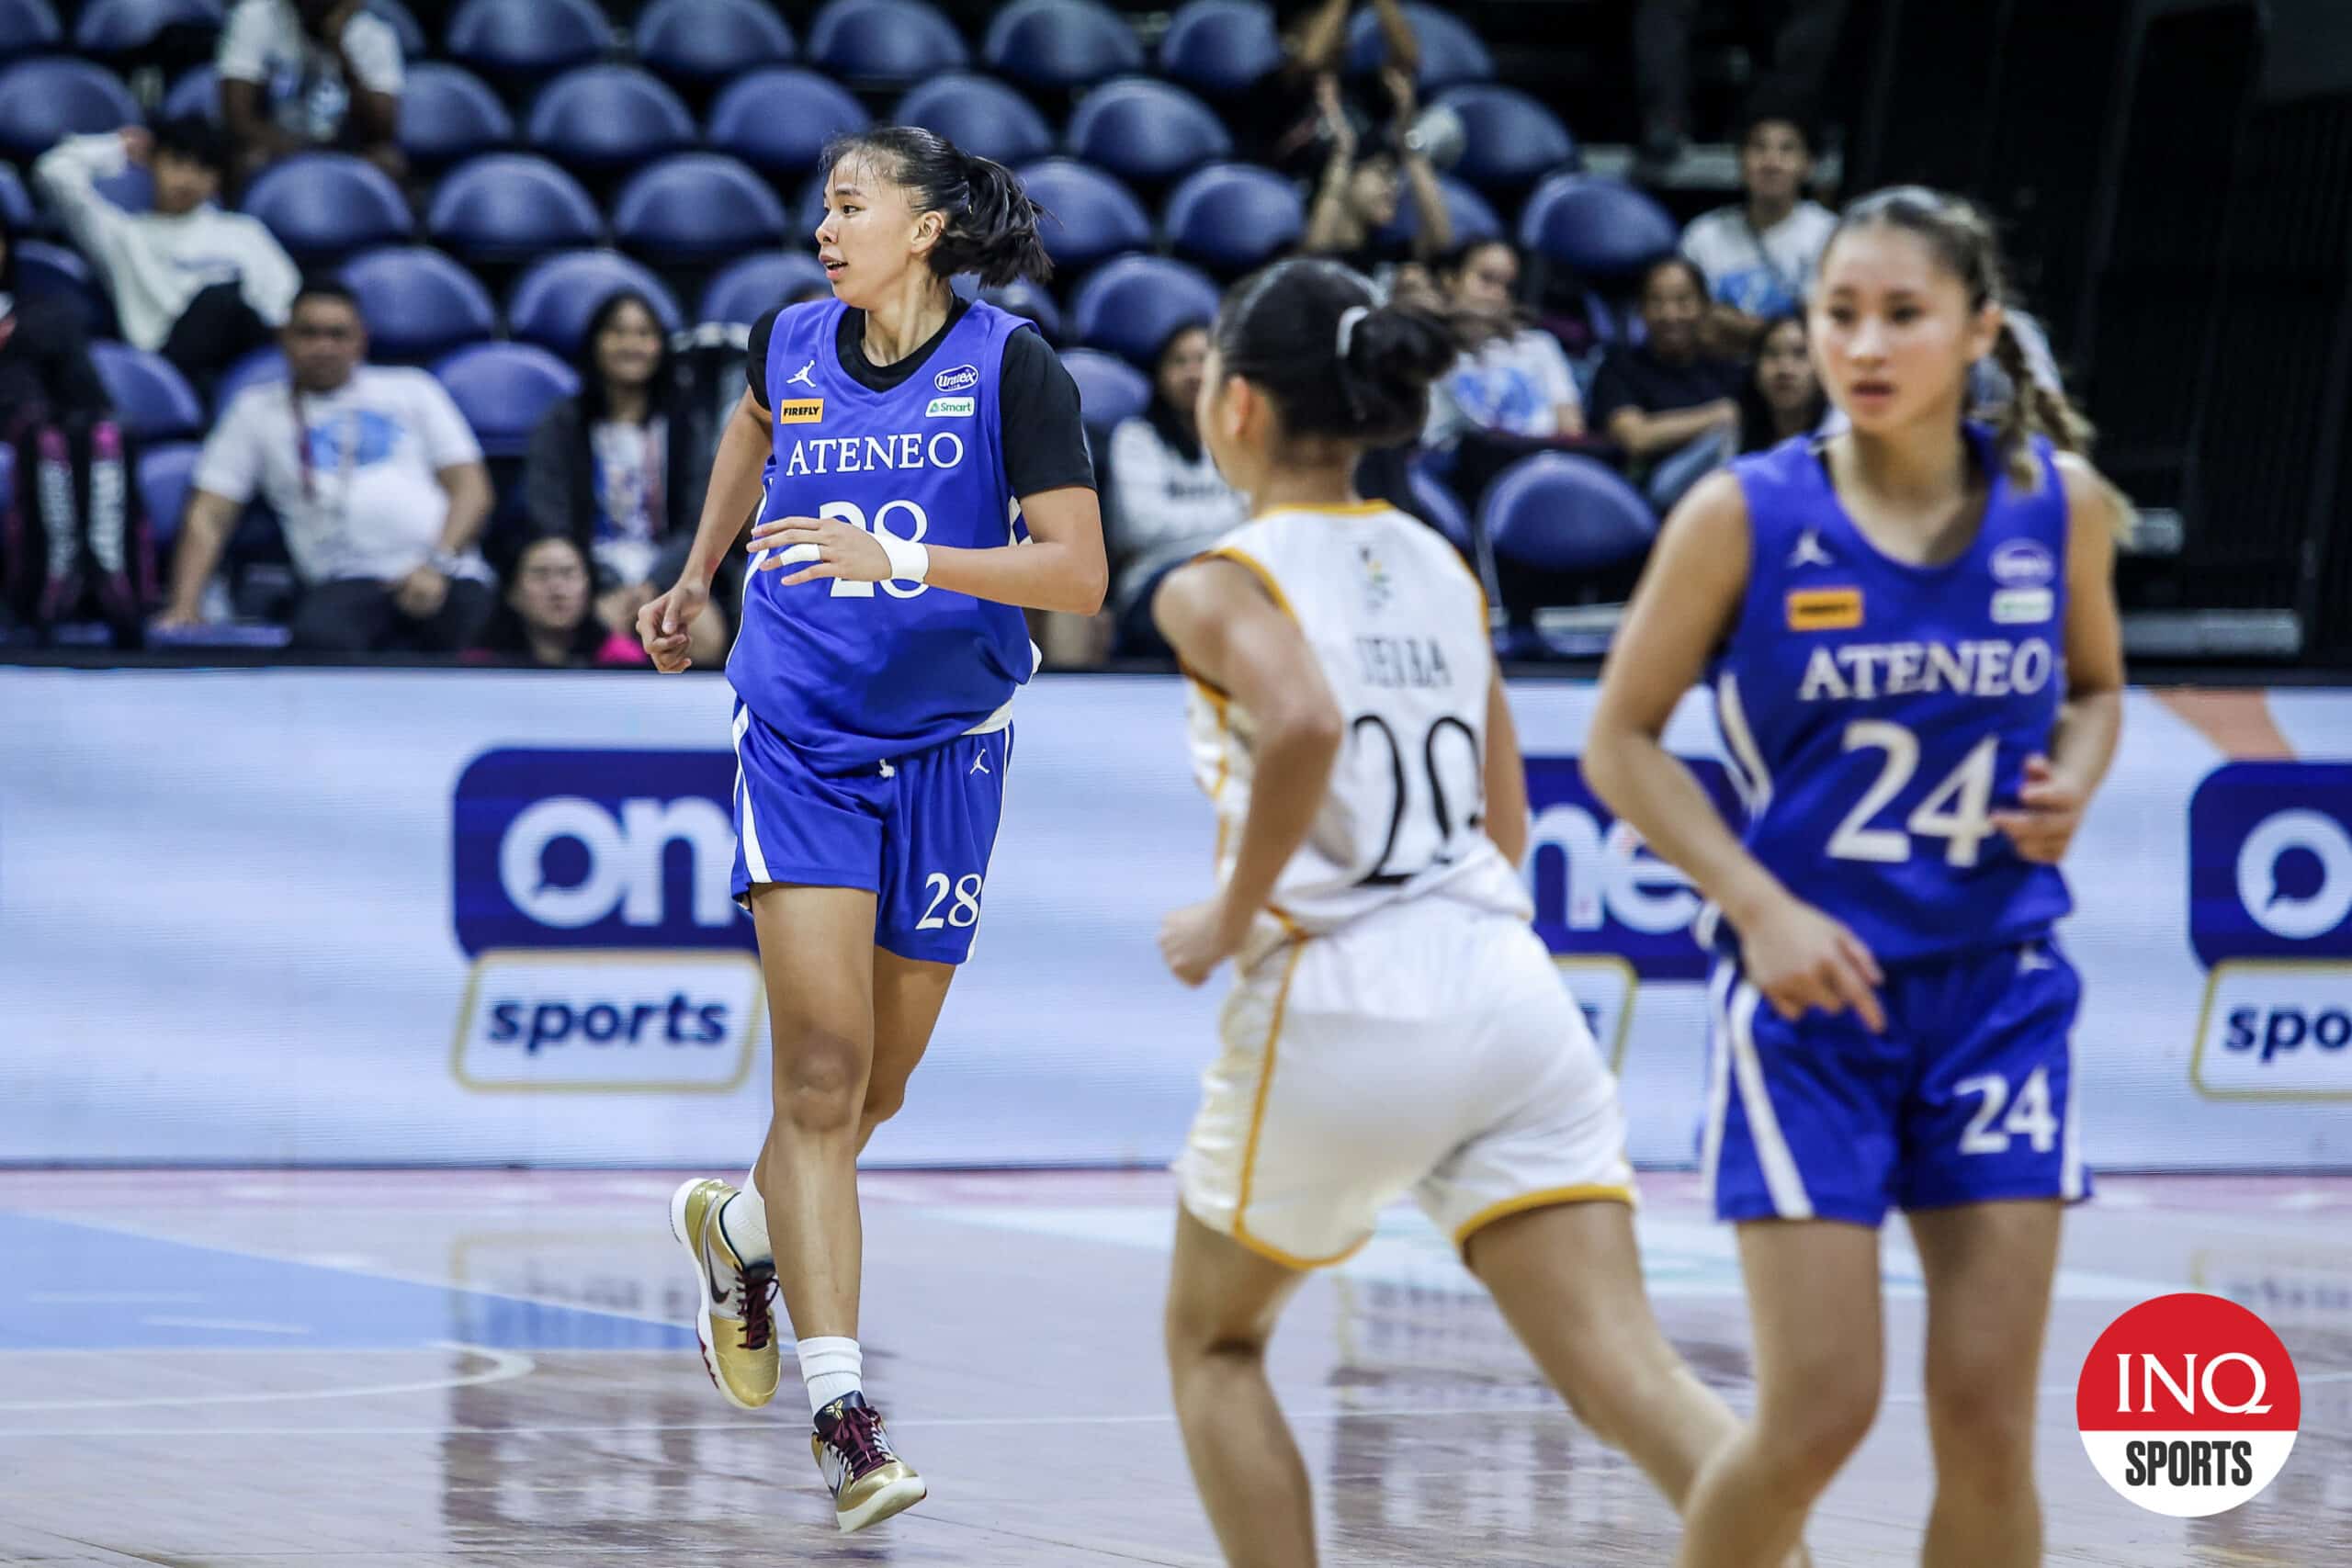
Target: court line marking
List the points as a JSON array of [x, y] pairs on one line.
[[1548, 1410], [240, 1325], [504, 1366]]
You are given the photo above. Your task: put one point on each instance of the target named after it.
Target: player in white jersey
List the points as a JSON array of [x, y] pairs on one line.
[[1396, 1025]]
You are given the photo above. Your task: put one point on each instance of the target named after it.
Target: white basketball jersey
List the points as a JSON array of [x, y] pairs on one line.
[[1398, 626]]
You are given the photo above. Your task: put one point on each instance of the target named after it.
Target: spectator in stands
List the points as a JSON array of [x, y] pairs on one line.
[[1356, 198], [616, 467], [197, 284], [1165, 501], [549, 619], [377, 484], [1511, 391], [1802, 54], [70, 477], [1759, 256], [1782, 397], [1670, 403], [305, 74]]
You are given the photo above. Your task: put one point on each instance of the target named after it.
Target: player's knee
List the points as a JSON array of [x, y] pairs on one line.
[[1811, 1437], [1983, 1432], [883, 1100], [816, 1074], [1199, 1332]]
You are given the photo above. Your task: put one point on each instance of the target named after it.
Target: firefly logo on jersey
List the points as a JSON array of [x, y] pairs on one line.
[[591, 889], [1597, 888]]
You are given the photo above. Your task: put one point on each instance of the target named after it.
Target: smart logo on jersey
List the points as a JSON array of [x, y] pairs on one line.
[[2188, 1404], [1597, 889], [2270, 914], [591, 889]]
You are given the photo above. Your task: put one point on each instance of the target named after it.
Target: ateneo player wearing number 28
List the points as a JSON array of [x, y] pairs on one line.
[[1911, 635], [919, 475]]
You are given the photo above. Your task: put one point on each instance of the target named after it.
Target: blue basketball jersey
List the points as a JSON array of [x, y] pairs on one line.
[[1876, 712], [852, 674]]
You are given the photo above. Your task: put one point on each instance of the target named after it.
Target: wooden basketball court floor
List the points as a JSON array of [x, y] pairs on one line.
[[377, 1369]]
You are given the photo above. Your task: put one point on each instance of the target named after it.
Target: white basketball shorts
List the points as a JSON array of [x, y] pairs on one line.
[[1428, 1048]]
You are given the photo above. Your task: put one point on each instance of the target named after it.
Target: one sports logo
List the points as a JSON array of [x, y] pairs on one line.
[[2188, 1404], [804, 376]]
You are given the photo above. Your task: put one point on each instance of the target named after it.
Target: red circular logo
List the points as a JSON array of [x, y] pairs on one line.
[[2188, 1404]]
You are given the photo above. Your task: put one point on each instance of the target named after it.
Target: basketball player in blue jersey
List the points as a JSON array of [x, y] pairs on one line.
[[908, 438], [1917, 673]]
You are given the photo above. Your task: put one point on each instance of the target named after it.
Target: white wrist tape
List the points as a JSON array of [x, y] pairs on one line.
[[910, 562]]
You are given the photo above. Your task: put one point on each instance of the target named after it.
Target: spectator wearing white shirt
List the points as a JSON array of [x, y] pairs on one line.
[[197, 284], [1760, 255], [1164, 501], [378, 483], [303, 74], [1511, 391]]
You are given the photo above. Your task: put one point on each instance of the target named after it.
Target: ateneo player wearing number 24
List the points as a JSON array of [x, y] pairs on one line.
[[920, 475], [1910, 633]]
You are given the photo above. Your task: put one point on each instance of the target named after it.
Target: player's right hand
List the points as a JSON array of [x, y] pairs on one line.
[[661, 624], [1799, 958]]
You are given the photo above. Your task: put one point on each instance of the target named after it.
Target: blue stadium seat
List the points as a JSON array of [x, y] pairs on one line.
[[415, 46], [1130, 305], [1109, 389], [608, 117], [1232, 217], [1060, 43], [1509, 141], [886, 41], [756, 284], [323, 205], [1145, 130], [979, 115], [709, 40], [43, 101], [1021, 297], [125, 27], [697, 206], [527, 39], [58, 273], [511, 206], [1473, 218], [449, 113], [779, 118], [418, 303], [153, 400], [1435, 502], [1222, 48], [27, 26], [164, 474], [550, 304], [198, 94], [808, 209], [260, 367], [1088, 215], [1595, 227], [1451, 52], [1559, 512], [16, 202], [503, 389]]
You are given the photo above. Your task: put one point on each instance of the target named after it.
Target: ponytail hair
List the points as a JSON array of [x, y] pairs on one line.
[[992, 221], [1964, 243], [1337, 363]]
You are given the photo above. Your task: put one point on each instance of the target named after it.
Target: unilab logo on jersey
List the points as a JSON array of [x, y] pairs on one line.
[[2188, 1404], [1597, 889], [591, 889], [959, 379], [2270, 913]]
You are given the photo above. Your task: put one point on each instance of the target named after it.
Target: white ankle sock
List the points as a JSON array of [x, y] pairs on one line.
[[831, 1368], [743, 1219]]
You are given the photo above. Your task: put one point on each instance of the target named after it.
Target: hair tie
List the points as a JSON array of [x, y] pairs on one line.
[[1347, 320]]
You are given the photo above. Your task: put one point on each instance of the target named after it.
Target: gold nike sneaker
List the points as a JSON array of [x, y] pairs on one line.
[[735, 1323], [869, 1482]]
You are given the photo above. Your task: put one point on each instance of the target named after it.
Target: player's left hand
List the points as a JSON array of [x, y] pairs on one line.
[[819, 546], [1197, 938], [2049, 807]]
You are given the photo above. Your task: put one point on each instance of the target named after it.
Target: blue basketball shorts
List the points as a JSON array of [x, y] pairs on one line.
[[1967, 1097], [915, 831]]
